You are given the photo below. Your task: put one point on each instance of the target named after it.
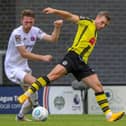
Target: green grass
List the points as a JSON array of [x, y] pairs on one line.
[[63, 120]]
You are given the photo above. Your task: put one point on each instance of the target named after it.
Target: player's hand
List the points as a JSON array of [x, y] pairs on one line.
[[48, 10], [58, 23], [46, 58]]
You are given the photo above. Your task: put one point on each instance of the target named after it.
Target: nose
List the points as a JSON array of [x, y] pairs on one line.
[[103, 25]]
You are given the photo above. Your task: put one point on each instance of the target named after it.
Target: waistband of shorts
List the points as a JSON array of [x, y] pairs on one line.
[[74, 53]]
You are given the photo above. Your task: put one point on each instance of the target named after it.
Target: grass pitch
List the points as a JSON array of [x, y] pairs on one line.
[[62, 120]]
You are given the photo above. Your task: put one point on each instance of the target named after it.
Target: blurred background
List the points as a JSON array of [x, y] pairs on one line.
[[108, 58]]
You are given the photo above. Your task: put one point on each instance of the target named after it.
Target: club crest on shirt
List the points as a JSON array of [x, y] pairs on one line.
[[32, 38], [18, 38]]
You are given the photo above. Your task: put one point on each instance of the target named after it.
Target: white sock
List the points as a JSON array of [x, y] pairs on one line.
[[108, 115], [34, 99], [25, 108]]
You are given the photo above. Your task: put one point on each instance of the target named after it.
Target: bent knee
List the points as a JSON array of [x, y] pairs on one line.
[[98, 88]]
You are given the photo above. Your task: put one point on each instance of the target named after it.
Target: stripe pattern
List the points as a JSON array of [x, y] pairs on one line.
[[40, 82], [103, 102]]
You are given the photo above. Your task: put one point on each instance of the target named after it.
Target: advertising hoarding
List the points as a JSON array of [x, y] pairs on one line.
[[62, 100], [116, 96]]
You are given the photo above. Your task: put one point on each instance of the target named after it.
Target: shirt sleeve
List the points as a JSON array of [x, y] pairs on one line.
[[40, 34], [83, 20], [17, 39]]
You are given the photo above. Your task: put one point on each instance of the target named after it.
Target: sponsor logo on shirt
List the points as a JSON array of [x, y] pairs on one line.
[[17, 38], [32, 38], [92, 41]]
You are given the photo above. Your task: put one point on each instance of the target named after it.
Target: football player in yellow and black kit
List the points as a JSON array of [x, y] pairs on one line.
[[76, 59]]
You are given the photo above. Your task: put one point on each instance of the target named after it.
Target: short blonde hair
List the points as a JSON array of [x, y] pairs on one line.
[[106, 14]]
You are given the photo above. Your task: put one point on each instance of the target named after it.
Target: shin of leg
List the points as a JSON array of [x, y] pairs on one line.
[[34, 99], [25, 108], [93, 82], [57, 72], [103, 103]]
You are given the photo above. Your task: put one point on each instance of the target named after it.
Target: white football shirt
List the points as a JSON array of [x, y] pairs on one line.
[[13, 59]]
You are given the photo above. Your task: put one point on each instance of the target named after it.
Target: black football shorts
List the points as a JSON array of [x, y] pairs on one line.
[[73, 64]]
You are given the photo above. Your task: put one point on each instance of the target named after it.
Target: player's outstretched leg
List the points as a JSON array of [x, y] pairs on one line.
[[40, 82], [104, 105]]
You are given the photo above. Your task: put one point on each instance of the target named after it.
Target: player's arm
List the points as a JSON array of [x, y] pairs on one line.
[[64, 14], [32, 56], [56, 32]]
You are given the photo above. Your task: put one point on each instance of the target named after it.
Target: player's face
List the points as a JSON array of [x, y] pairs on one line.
[[101, 22], [27, 23]]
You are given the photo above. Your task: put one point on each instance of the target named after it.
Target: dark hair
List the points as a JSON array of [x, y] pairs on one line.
[[28, 13], [106, 14]]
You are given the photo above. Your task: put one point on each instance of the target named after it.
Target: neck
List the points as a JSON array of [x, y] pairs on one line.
[[26, 30]]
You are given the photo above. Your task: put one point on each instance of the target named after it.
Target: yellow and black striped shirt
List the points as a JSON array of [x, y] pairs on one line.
[[85, 38]]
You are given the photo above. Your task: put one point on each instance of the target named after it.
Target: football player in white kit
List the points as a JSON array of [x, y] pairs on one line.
[[21, 42]]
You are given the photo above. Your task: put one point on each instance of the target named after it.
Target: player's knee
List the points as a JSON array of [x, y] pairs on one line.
[[98, 88], [53, 76]]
